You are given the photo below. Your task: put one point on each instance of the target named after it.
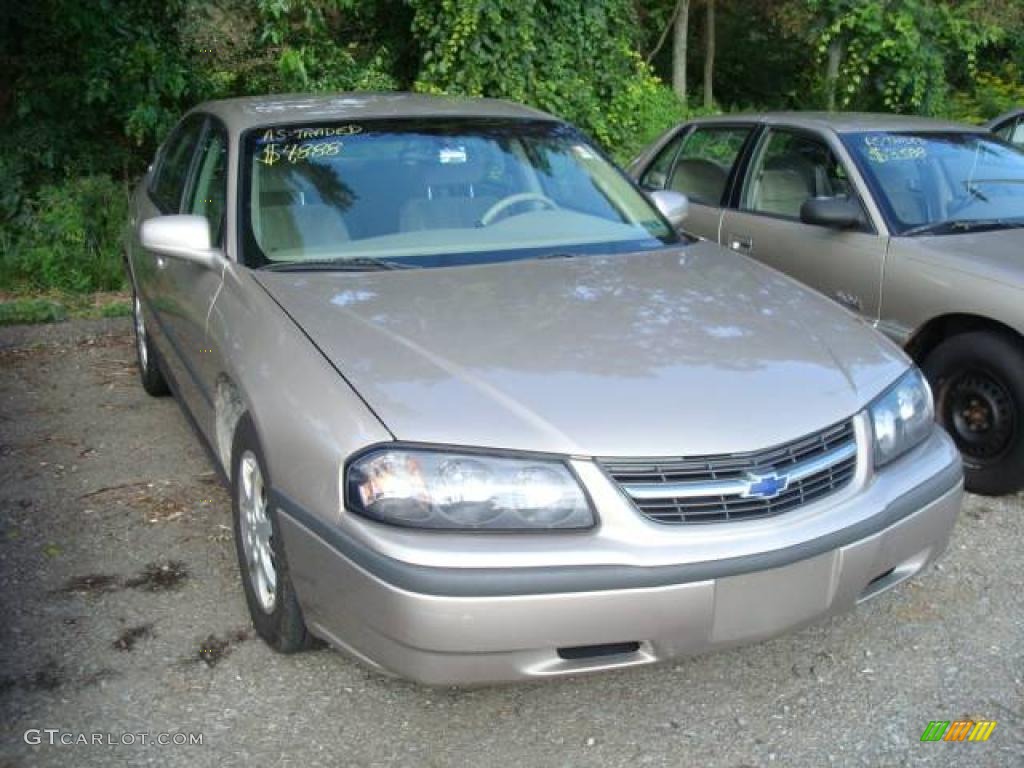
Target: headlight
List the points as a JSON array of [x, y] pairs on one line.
[[901, 417], [423, 488]]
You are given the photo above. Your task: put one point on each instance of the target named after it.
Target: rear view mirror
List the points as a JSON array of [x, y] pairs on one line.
[[673, 205], [181, 236], [832, 212]]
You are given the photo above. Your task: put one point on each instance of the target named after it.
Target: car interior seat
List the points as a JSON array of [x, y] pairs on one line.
[[291, 214], [701, 180], [781, 191], [450, 197]]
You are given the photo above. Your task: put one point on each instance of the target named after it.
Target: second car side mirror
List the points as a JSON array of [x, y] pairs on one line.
[[832, 212], [673, 205], [181, 236]]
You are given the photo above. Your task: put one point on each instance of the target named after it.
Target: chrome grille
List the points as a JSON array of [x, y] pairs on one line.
[[739, 486]]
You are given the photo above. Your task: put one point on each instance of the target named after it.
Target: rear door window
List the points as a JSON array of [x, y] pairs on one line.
[[702, 168], [657, 173], [174, 164]]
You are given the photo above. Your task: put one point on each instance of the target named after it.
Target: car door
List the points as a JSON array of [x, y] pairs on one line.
[[196, 286], [162, 196], [786, 167], [699, 162], [179, 293]]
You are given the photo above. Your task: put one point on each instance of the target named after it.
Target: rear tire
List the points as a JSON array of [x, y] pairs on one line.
[[152, 377], [266, 578], [978, 382]]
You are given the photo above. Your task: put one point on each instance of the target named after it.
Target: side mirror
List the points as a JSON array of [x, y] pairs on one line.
[[181, 236], [673, 206], [832, 212]]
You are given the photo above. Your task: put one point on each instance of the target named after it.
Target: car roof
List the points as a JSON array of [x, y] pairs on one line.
[[240, 114], [991, 124], [846, 122]]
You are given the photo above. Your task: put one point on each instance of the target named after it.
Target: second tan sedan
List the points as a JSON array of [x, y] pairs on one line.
[[916, 225]]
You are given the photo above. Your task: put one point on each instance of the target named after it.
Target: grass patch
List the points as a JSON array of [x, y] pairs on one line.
[[26, 311], [55, 307], [103, 306]]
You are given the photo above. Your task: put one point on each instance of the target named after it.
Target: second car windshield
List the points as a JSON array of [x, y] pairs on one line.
[[435, 193], [925, 178]]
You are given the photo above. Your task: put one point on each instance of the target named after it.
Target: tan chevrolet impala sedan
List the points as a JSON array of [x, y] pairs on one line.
[[487, 416]]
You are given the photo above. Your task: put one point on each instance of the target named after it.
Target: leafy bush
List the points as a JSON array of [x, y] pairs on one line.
[[25, 311], [576, 60], [69, 238], [992, 94]]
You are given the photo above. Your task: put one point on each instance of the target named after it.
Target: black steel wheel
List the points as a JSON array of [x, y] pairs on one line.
[[978, 382]]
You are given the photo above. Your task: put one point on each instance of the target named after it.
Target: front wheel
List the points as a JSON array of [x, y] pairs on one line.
[[978, 381], [266, 579]]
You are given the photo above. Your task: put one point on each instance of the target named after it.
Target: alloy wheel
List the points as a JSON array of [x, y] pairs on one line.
[[257, 532]]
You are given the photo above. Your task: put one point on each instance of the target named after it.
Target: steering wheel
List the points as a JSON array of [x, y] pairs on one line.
[[507, 202]]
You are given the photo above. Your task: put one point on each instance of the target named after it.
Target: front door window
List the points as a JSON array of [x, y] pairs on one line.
[[789, 169]]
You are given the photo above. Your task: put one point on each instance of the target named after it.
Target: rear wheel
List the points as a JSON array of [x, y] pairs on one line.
[[978, 381], [266, 578], [149, 367]]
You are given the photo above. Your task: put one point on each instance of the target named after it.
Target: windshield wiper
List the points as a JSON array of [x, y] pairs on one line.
[[973, 191], [951, 226], [997, 181], [354, 264]]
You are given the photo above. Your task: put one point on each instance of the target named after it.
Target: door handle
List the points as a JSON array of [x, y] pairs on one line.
[[741, 243]]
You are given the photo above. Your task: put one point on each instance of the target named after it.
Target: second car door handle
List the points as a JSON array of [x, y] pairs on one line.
[[741, 243]]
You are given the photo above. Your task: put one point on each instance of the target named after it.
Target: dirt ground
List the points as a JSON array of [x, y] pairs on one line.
[[122, 615]]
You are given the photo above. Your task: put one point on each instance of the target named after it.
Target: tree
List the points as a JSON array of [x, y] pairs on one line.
[[709, 55], [680, 34]]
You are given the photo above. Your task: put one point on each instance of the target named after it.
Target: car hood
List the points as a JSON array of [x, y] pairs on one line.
[[692, 350], [996, 255]]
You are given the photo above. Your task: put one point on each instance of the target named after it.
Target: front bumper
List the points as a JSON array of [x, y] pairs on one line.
[[473, 625]]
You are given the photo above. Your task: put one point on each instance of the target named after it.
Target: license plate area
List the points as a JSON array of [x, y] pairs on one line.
[[757, 605]]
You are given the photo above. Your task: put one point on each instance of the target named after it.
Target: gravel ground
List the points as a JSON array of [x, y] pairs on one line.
[[122, 614]]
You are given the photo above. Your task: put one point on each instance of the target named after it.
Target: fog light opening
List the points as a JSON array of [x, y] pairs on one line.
[[597, 651], [880, 577]]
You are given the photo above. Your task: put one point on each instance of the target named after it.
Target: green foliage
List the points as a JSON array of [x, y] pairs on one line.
[[314, 51], [896, 54], [991, 94], [70, 238], [574, 59], [91, 86], [25, 311], [92, 81], [115, 309]]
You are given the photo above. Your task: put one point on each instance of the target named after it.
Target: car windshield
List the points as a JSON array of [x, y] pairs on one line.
[[429, 193], [926, 180]]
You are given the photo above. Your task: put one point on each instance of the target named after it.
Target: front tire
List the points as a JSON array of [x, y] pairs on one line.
[[978, 382], [266, 578]]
